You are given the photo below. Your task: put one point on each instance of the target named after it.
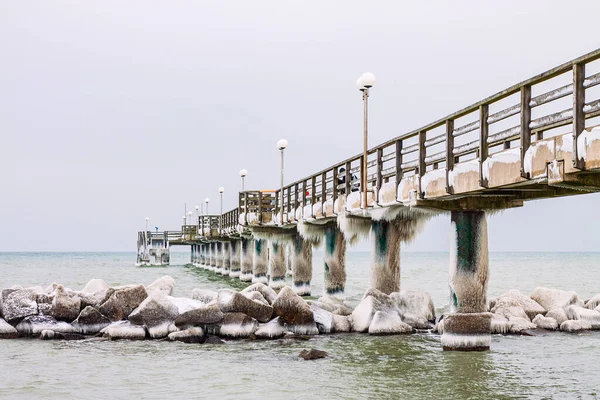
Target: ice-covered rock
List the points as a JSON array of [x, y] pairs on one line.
[[256, 296], [293, 310], [36, 290], [18, 304], [581, 313], [65, 307], [362, 316], [321, 305], [96, 287], [323, 319], [204, 295], [48, 334], [416, 321], [90, 321], [518, 324], [499, 324], [335, 305], [124, 330], [388, 323], [44, 302], [267, 292], [545, 322], [35, 324], [593, 303], [232, 301], [554, 298], [515, 298], [510, 311], [156, 312], [342, 323], [7, 331], [184, 304], [209, 314], [558, 314], [273, 329], [385, 299], [120, 302], [575, 325], [162, 285], [414, 302], [235, 325], [190, 335]]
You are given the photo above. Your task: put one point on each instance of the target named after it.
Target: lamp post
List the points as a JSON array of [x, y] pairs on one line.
[[147, 219], [281, 145], [366, 81], [197, 208], [221, 190], [243, 174]]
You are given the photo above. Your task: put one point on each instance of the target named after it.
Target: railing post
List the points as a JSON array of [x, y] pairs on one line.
[[334, 192], [421, 167], [260, 205], [277, 211], [578, 114], [379, 170], [348, 178], [313, 195], [525, 129], [484, 111], [323, 191], [246, 208], [398, 162], [303, 196], [449, 153], [363, 179], [289, 201], [296, 202]]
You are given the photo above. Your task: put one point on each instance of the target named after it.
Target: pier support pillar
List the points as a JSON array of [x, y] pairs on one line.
[[234, 255], [468, 327], [335, 261], [203, 254], [213, 258], [260, 261], [276, 265], [219, 258], [385, 255], [226, 259], [301, 254], [246, 256]]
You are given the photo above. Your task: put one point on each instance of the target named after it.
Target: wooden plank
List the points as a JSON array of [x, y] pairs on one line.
[[289, 200], [578, 114], [398, 162], [449, 153], [296, 202], [348, 177], [483, 138], [323, 191], [379, 168], [334, 190], [525, 126]]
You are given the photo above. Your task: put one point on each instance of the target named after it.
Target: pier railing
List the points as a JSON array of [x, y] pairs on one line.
[[256, 207], [230, 221]]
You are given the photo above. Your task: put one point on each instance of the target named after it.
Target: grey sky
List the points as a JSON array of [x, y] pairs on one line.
[[111, 111]]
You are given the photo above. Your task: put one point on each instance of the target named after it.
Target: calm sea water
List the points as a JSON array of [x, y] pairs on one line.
[[556, 365]]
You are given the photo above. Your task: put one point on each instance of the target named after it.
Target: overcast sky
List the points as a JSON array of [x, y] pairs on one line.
[[111, 111]]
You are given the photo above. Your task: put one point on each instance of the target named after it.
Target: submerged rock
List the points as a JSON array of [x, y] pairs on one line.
[[388, 323], [190, 335], [210, 314], [267, 292], [417, 303], [205, 296], [35, 324], [52, 335], [124, 330], [232, 301], [554, 298], [545, 322], [156, 312], [18, 304], [312, 354], [273, 329], [7, 331], [162, 285], [65, 307], [575, 325], [90, 321], [120, 302]]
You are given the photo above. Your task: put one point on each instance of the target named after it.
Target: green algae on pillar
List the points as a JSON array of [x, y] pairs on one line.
[[276, 265], [301, 254], [234, 250], [335, 261], [246, 256], [260, 262], [385, 255]]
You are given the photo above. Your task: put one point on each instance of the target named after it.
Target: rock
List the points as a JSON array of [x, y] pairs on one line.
[[383, 298], [416, 321], [554, 298], [518, 324], [124, 330], [235, 325], [593, 303], [44, 302], [7, 331], [341, 323], [509, 311], [558, 314], [439, 326], [362, 316], [312, 354], [156, 312], [321, 305], [122, 301], [388, 323], [47, 334], [338, 306], [90, 321], [213, 340], [292, 308], [323, 319], [575, 325], [18, 304], [545, 322], [256, 296], [162, 285], [232, 301], [273, 329], [51, 335], [580, 313], [87, 299], [96, 287], [414, 302], [209, 314], [205, 296], [64, 307], [499, 324], [184, 304], [267, 292], [36, 290], [190, 335], [35, 324], [514, 297]]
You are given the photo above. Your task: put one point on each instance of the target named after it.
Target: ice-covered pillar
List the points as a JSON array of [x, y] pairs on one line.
[[192, 254], [335, 261], [219, 258], [234, 251], [226, 259], [202, 254], [260, 261], [276, 265], [301, 254], [385, 255], [468, 325], [213, 258], [246, 256]]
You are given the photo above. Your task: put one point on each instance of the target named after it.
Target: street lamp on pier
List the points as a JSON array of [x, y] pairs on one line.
[[221, 190], [147, 219], [366, 81], [243, 174], [206, 200], [281, 145]]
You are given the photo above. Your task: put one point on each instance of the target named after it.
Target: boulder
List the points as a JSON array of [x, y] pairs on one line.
[[51, 335], [581, 313], [558, 314], [7, 331], [388, 323], [205, 296], [256, 296], [120, 302], [518, 324], [184, 304], [312, 354], [162, 285], [96, 287], [267, 292], [36, 290], [439, 326], [509, 312], [87, 299], [342, 323], [209, 314], [18, 304], [575, 325], [124, 330], [232, 301], [321, 305], [515, 298], [44, 302], [554, 298], [234, 325], [418, 303], [416, 321], [337, 305], [545, 322], [156, 312], [65, 307], [385, 299], [593, 303], [292, 308], [323, 319], [364, 312], [35, 324], [90, 321], [273, 329], [499, 324], [190, 335]]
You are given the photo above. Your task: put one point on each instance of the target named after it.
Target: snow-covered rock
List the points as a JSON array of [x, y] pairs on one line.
[[388, 323], [156, 312], [545, 322], [18, 304], [558, 314], [120, 302], [124, 330], [235, 325], [190, 335], [510, 311], [580, 313], [294, 311], [163, 285], [267, 292], [418, 303], [593, 302], [210, 314], [554, 298], [90, 321], [323, 318], [416, 321], [35, 324], [96, 287], [575, 325], [65, 307], [232, 302], [204, 295], [518, 324], [499, 324], [515, 297], [342, 323], [256, 296], [363, 314], [273, 329], [7, 331]]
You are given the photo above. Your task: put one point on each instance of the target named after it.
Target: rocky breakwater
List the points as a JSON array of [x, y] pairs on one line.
[[138, 312]]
